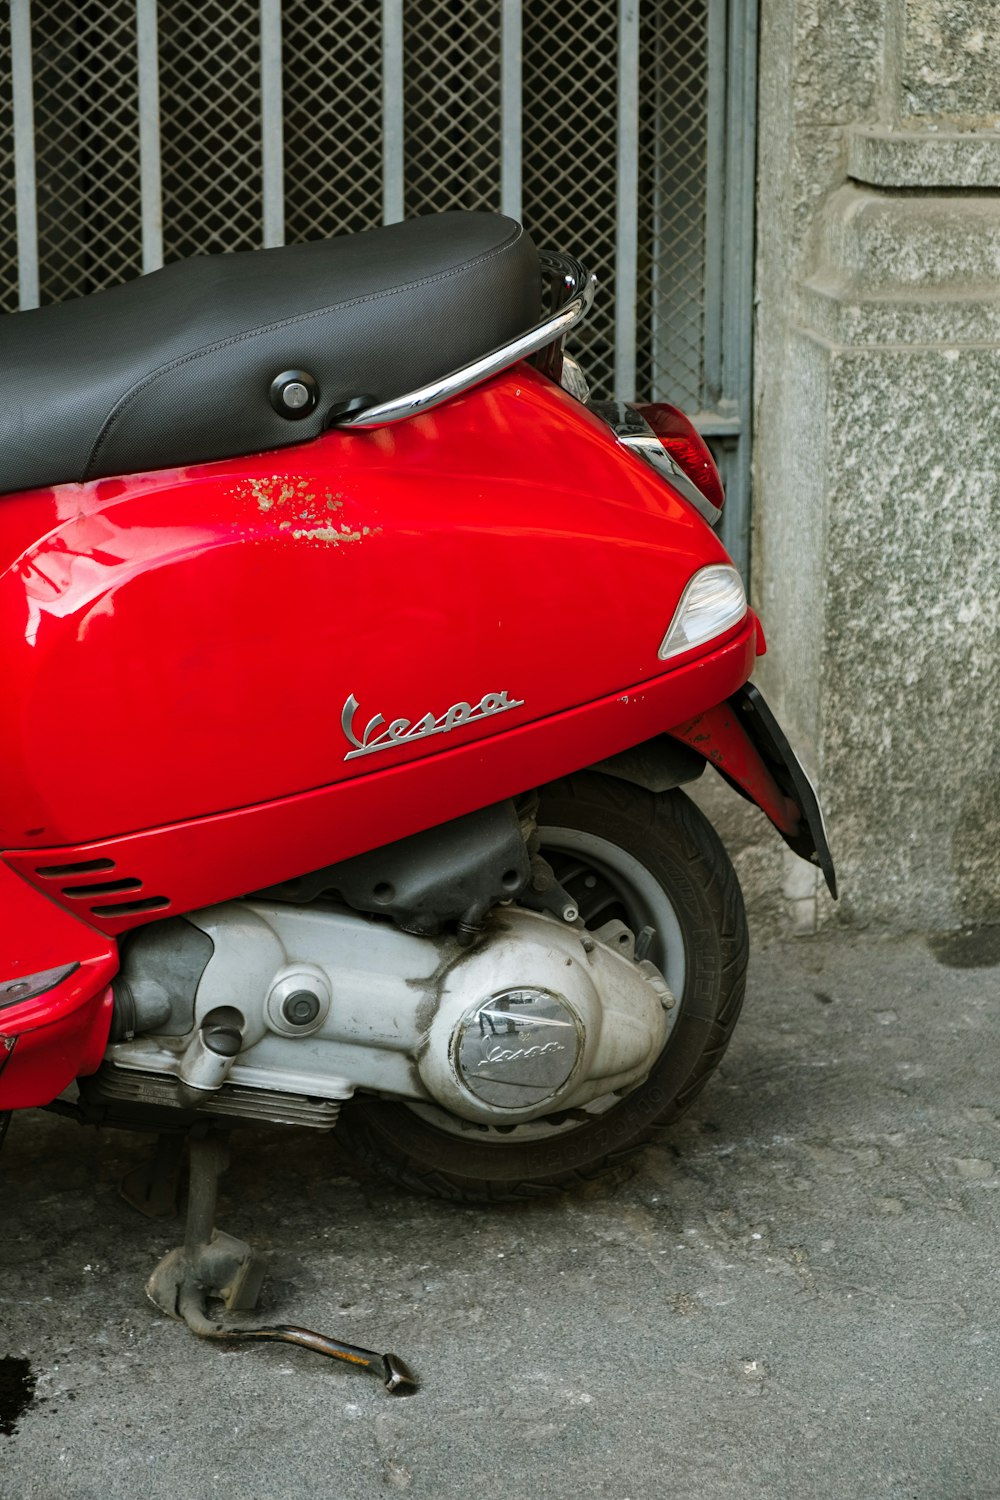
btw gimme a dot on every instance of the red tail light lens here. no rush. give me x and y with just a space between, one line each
686 447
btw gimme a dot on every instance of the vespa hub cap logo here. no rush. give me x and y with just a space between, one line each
518 1047
379 735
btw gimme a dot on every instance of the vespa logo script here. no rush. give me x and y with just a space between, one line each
507 1054
378 735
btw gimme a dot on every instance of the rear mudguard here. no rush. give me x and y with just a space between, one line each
743 740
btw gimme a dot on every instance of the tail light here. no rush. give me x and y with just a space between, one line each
684 443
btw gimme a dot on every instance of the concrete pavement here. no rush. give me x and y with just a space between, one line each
797 1296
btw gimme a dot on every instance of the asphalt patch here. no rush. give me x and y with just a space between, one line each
972 948
17 1392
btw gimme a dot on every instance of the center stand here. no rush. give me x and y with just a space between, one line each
212 1266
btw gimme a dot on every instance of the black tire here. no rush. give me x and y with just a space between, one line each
677 846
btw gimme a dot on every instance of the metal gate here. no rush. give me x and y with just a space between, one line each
133 131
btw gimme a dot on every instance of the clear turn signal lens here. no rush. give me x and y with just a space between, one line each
713 602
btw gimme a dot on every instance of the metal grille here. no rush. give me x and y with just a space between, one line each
8 210
332 119
86 145
673 189
570 140
451 122
210 125
622 130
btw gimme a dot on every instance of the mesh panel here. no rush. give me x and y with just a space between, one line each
86 145
673 130
333 118
210 126
570 83
8 212
451 73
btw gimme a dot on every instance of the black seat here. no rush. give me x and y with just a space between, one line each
177 367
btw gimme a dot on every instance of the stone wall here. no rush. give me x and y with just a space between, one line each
876 561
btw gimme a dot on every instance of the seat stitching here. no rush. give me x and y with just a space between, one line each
124 401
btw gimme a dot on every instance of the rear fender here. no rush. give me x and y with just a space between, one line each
742 739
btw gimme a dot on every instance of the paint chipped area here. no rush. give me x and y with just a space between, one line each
277 490
334 534
309 511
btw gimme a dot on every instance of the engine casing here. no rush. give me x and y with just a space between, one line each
537 1017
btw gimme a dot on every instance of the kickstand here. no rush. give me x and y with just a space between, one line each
211 1265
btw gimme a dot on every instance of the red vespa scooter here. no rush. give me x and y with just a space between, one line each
340 781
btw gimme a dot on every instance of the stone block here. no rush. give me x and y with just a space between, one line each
951 62
877 244
926 159
910 738
876 542
836 57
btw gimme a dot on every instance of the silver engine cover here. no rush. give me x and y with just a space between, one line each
536 1017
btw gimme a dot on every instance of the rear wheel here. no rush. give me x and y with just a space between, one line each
650 860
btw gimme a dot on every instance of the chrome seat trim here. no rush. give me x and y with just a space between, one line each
575 302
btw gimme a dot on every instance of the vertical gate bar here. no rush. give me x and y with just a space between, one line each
659 330
25 187
738 264
511 134
147 59
627 227
715 201
392 111
272 125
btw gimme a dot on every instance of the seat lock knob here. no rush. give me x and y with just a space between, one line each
294 394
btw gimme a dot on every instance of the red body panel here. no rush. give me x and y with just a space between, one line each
214 621
196 863
47 1042
180 650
